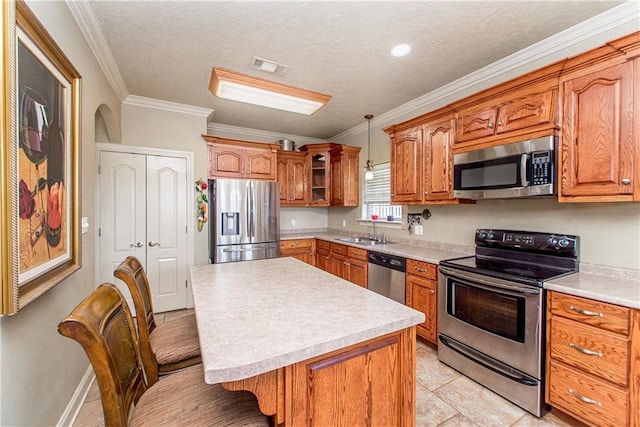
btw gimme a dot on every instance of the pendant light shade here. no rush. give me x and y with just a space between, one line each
368 170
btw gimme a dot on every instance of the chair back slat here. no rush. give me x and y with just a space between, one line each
131 272
102 324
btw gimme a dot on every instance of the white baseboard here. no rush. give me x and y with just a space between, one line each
73 408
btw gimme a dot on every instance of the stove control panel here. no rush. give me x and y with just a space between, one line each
530 241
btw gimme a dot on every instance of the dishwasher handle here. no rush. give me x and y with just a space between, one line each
389 261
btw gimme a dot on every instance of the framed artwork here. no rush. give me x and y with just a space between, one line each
39 230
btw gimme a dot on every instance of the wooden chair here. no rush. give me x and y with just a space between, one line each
168 347
102 323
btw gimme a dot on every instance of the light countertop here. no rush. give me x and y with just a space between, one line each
624 292
616 286
257 316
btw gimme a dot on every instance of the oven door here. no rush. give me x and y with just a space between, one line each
498 318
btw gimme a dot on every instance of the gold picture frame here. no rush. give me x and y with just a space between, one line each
40 183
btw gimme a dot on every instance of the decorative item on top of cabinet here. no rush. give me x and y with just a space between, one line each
600 146
422 160
345 176
421 294
293 176
234 158
593 360
302 249
320 173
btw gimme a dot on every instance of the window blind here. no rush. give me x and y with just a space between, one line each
378 189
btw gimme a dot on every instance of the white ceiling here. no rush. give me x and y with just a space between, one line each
165 50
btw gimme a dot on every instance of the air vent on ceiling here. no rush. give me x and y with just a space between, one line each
268 66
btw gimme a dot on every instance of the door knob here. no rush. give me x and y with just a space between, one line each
152 243
136 245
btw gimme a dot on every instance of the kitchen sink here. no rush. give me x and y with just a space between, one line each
360 241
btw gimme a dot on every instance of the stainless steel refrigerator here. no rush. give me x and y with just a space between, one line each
245 220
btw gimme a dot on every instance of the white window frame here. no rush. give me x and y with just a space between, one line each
381 195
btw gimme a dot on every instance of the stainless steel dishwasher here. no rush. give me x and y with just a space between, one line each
386 275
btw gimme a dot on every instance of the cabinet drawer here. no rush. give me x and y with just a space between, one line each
337 248
357 253
592 350
422 269
600 314
323 245
586 397
296 244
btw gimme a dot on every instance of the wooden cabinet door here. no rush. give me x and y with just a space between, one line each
351 175
340 265
597 150
358 272
302 249
323 260
293 174
226 161
421 294
406 166
526 111
260 164
438 160
337 178
474 124
319 177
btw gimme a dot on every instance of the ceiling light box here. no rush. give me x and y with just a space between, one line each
253 90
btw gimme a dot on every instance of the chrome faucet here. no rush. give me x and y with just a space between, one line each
373 236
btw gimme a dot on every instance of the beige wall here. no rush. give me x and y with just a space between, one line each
40 369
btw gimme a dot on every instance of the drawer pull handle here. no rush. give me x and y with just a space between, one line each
420 270
585 350
586 312
583 398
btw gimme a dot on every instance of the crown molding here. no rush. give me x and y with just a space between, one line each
550 49
258 135
90 28
141 101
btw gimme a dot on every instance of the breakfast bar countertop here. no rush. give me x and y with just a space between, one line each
257 316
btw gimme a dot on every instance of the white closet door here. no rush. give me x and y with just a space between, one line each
167 231
143 202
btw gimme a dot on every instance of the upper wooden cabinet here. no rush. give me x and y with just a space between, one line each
519 113
233 158
422 160
345 176
406 165
293 176
600 145
319 173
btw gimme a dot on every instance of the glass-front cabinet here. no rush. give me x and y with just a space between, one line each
320 173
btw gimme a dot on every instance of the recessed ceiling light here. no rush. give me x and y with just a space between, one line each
401 50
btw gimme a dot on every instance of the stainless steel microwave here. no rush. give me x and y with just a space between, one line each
519 169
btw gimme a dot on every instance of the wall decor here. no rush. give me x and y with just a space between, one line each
40 185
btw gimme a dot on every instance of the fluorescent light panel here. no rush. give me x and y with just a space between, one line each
253 90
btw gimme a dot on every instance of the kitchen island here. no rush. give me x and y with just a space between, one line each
315 349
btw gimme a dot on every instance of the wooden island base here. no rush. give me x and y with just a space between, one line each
371 383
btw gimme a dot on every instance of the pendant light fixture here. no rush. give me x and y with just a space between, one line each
368 171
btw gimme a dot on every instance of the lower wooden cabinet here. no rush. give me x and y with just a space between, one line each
593 360
302 249
422 295
343 261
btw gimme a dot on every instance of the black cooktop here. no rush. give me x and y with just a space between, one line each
524 257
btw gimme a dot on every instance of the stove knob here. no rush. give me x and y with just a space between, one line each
482 235
490 236
563 243
552 241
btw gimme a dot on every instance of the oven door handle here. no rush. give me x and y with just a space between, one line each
494 283
493 365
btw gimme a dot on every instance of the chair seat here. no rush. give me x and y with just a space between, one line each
184 399
175 344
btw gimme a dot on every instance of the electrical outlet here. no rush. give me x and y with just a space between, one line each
344 222
293 222
418 229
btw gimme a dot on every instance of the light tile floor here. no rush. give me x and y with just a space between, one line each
444 398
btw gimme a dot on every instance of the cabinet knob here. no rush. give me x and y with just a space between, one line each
431 291
626 181
490 125
499 122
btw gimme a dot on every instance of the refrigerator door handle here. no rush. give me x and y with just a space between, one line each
252 225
